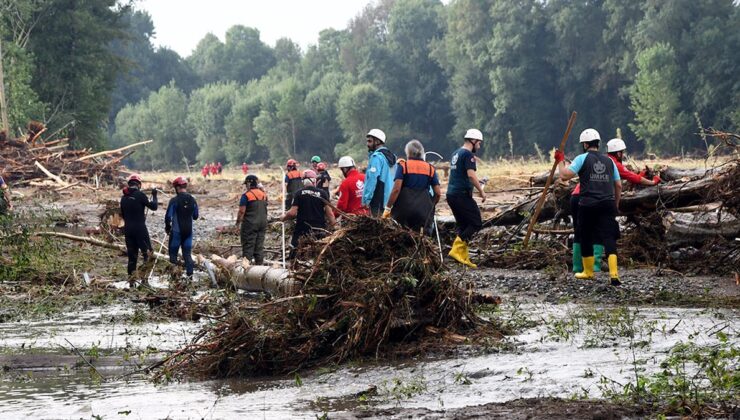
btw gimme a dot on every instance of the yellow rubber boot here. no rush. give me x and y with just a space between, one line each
613 270
588 269
466 255
456 251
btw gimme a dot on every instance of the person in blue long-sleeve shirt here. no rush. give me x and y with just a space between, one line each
178 223
379 175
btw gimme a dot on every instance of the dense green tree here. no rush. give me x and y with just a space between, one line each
74 68
161 117
207 112
659 120
361 108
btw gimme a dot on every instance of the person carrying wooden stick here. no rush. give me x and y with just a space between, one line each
601 190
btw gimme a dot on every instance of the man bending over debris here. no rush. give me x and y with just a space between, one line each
463 179
378 177
312 211
252 219
178 223
133 205
411 203
601 190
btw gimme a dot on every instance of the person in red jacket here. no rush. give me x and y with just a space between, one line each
615 149
351 189
205 171
214 168
219 168
245 168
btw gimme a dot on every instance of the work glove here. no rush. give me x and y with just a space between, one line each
154 192
387 213
657 180
642 173
559 156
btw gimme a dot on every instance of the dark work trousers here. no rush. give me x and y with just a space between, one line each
598 225
137 240
574 200
414 209
467 215
253 242
304 229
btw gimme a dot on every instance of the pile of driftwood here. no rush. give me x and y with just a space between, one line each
33 161
382 295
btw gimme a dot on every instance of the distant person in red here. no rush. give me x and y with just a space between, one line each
245 168
214 168
206 169
219 167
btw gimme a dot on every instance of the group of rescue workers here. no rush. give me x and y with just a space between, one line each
406 190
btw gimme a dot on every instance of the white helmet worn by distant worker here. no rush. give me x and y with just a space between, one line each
378 134
589 135
615 145
474 134
346 162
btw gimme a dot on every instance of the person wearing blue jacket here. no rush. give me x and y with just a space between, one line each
178 223
379 174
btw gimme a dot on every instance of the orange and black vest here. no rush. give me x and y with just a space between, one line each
256 213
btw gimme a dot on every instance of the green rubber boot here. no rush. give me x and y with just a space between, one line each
577 260
598 253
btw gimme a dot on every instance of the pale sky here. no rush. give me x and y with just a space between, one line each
180 24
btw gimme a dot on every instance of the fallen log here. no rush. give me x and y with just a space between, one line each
698 229
50 175
111 152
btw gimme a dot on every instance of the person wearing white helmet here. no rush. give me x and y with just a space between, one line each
312 212
463 179
600 192
615 149
352 187
379 176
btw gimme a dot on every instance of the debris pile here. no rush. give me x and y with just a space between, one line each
31 160
370 289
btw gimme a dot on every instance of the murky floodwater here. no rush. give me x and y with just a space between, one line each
546 362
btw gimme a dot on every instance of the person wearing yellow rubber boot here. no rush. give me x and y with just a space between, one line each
575 199
601 191
463 179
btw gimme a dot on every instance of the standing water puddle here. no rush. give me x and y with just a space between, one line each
567 354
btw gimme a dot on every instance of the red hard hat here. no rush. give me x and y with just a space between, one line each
292 162
180 181
134 178
321 166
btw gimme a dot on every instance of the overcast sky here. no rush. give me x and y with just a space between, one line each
180 24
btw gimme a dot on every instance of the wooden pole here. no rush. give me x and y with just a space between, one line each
541 201
3 103
110 152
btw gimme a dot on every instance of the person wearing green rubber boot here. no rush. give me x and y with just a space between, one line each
575 198
601 190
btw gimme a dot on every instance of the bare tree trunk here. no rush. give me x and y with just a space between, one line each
3 103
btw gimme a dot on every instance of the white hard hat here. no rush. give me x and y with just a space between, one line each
474 134
346 162
615 145
378 134
588 135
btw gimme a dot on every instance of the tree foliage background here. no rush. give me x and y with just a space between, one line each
654 70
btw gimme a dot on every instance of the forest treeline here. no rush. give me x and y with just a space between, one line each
653 71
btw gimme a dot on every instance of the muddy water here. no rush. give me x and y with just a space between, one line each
542 363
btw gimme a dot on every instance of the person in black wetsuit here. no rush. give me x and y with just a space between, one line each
178 223
133 203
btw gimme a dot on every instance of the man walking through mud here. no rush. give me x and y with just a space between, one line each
601 190
133 205
463 179
178 223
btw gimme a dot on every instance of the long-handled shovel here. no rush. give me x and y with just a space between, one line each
439 242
